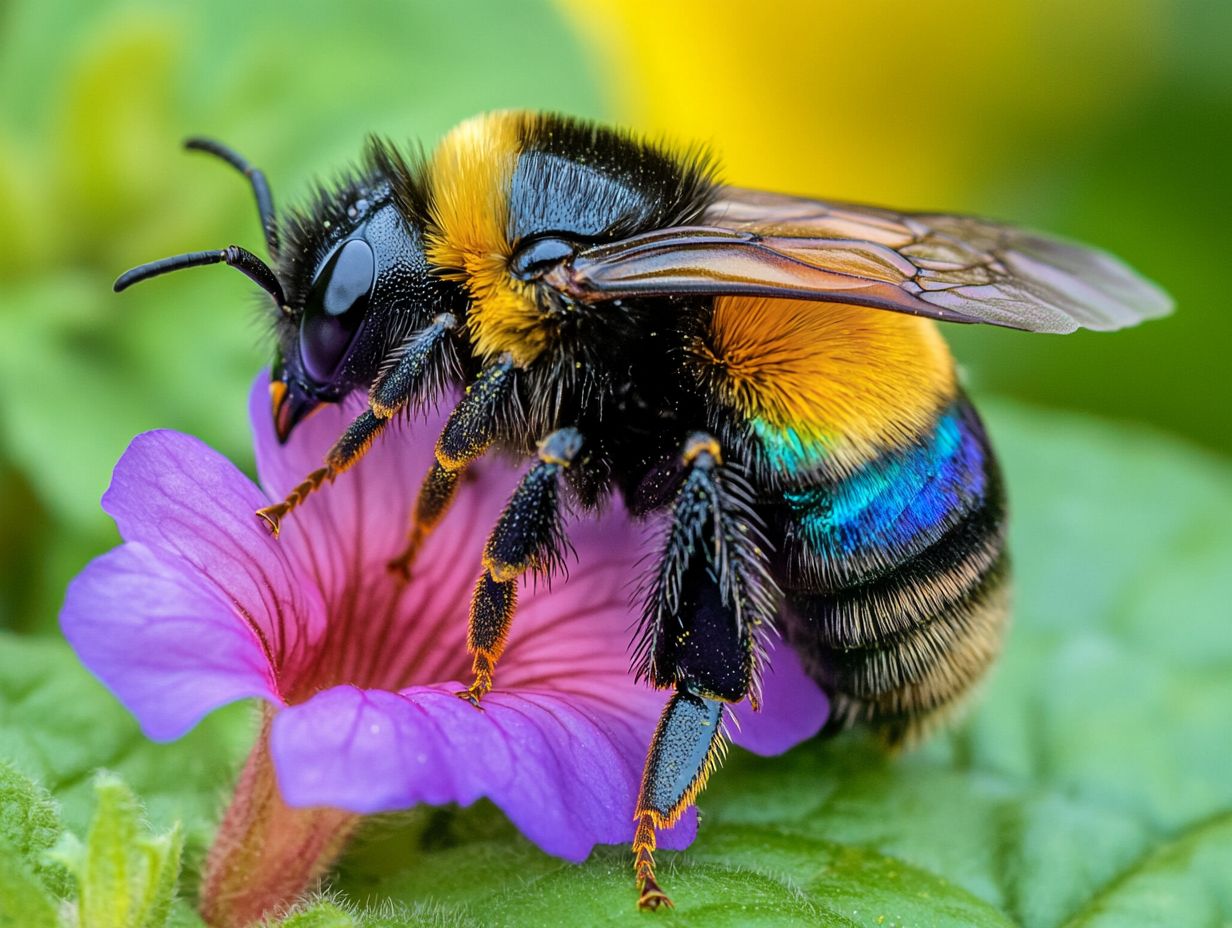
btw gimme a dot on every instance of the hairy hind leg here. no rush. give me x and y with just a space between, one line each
712 592
688 744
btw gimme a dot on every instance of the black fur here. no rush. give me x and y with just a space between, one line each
594 183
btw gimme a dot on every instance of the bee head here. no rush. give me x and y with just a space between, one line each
357 284
351 281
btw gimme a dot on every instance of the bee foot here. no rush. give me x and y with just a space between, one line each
471 694
400 568
476 691
653 897
272 516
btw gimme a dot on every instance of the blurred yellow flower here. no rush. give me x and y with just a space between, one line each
893 101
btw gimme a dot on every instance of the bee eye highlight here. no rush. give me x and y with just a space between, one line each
538 255
335 307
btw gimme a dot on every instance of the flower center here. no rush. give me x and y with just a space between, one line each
382 632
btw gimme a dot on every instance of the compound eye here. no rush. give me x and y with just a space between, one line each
538 255
335 307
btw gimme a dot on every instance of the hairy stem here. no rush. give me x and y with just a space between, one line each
267 854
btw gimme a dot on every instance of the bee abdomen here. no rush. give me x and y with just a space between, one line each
897 648
905 685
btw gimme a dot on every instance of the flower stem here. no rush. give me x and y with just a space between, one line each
266 853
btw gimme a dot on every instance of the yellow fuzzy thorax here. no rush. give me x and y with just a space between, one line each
840 383
469 175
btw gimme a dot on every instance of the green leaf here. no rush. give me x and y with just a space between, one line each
322 915
24 900
29 828
126 877
58 725
331 912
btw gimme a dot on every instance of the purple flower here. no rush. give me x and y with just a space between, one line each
201 607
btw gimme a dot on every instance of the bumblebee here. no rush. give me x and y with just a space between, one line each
763 372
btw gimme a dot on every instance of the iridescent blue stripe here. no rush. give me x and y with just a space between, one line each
787 451
900 501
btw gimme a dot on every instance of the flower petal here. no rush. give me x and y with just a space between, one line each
793 706
179 497
359 521
565 770
381 633
171 649
560 742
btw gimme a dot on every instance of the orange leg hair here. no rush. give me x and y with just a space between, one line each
352 446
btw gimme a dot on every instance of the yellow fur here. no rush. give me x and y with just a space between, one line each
846 381
470 175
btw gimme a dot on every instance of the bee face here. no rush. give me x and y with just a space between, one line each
357 280
318 336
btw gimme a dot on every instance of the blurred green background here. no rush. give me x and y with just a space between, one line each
1108 121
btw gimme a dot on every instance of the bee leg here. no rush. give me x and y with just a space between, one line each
420 367
527 536
688 744
468 433
419 371
712 592
346 451
435 495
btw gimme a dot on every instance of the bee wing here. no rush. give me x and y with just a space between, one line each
952 268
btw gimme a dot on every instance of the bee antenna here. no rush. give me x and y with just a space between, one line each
240 258
260 186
